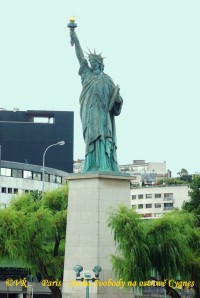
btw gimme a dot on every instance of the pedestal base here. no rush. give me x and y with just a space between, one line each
89 241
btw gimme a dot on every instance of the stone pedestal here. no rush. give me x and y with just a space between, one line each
89 241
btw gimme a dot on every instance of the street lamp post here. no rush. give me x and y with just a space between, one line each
43 163
87 276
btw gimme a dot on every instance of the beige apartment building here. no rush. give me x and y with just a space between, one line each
17 178
145 173
149 199
154 201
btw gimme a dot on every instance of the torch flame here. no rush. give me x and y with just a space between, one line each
72 19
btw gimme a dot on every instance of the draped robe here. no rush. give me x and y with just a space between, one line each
98 123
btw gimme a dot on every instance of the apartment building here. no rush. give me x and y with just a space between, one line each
145 173
17 178
154 201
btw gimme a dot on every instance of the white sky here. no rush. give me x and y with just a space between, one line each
152 51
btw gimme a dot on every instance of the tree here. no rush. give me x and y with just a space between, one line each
183 172
184 176
162 246
129 233
34 231
193 206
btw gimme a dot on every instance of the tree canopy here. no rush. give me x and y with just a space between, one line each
183 172
33 230
193 205
184 175
162 248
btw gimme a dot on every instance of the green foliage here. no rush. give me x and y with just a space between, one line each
186 178
171 181
129 234
183 172
10 224
54 199
166 246
168 239
33 231
193 205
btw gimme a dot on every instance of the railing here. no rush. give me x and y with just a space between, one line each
160 292
37 288
167 208
168 199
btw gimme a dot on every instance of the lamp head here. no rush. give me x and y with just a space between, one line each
61 143
96 270
87 275
78 269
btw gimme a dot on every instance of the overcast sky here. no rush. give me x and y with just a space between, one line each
152 51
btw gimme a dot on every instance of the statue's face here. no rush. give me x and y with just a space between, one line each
94 64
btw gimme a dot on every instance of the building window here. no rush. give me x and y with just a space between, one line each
37 176
59 179
158 214
26 191
140 196
157 195
17 173
53 179
157 205
6 172
3 190
148 196
147 215
148 205
15 190
27 175
168 195
46 177
133 206
133 197
48 119
140 206
168 206
56 179
10 190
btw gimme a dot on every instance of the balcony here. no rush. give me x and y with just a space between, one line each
168 199
168 208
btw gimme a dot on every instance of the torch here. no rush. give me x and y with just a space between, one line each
72 25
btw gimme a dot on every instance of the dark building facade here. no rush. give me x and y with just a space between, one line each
24 136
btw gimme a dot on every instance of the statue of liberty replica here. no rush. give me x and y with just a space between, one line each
100 102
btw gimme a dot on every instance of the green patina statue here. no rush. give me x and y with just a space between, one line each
100 102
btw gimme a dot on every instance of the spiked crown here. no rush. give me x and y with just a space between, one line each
95 56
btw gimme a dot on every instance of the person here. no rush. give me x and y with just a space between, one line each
100 102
